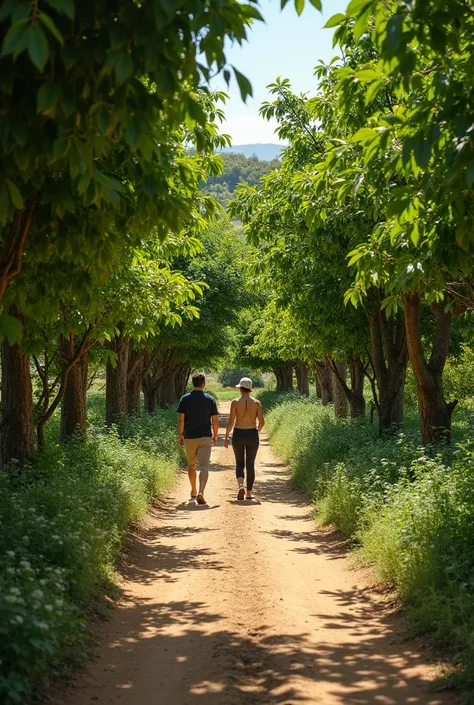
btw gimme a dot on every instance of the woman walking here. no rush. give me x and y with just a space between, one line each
246 418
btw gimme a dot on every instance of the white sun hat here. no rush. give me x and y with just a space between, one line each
245 383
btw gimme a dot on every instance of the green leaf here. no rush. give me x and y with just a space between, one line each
165 80
415 234
335 20
123 67
354 256
367 75
14 41
299 6
11 328
394 31
60 147
356 7
317 4
49 24
15 195
364 134
422 151
133 130
103 119
373 90
37 46
48 96
245 86
66 7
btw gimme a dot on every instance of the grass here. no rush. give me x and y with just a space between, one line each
408 513
63 521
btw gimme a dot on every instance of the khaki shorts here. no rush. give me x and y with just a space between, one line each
198 451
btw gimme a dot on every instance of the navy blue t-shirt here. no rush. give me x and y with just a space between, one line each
197 407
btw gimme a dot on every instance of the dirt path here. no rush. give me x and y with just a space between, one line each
242 603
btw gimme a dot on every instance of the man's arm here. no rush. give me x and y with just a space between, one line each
261 420
181 429
215 428
230 425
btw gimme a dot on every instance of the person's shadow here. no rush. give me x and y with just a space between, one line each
189 507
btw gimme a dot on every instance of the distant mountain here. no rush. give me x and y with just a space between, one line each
266 152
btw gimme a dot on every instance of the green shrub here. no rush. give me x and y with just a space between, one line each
458 379
231 376
62 525
410 513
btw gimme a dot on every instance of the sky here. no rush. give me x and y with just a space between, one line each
286 45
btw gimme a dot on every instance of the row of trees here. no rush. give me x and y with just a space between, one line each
363 237
107 132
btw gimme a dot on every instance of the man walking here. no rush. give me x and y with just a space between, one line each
198 426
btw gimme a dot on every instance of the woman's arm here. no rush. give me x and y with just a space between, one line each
230 425
261 420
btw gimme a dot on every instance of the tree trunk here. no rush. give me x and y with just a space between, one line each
389 360
340 398
167 390
302 377
355 393
150 395
287 377
319 389
284 376
17 429
84 363
435 412
116 384
73 404
356 398
324 375
278 378
134 382
181 380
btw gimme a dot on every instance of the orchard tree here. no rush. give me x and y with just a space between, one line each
84 81
302 260
413 159
201 341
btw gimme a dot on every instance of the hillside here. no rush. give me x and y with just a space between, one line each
265 152
237 169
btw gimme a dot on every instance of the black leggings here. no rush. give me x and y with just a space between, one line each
245 443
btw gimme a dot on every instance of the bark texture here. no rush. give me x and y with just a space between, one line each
435 412
302 377
355 392
134 382
116 384
284 376
319 391
73 404
17 429
340 398
324 375
389 358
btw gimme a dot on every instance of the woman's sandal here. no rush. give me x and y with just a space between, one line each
241 493
200 498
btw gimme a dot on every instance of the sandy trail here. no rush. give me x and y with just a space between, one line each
244 603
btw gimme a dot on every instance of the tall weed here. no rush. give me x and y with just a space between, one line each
409 513
62 522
